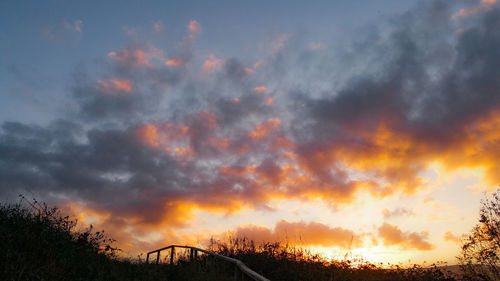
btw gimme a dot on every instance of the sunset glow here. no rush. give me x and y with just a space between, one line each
349 131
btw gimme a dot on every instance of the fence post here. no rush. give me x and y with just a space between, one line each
191 253
172 255
211 262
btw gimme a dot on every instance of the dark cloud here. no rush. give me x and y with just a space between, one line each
429 80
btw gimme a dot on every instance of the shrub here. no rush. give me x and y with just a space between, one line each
479 258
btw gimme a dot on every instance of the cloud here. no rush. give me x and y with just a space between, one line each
158 26
194 29
174 62
397 212
260 89
393 124
114 85
194 26
76 26
449 236
392 235
137 57
211 64
299 234
480 6
129 31
265 128
279 43
317 46
368 118
64 31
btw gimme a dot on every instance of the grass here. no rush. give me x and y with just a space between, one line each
40 243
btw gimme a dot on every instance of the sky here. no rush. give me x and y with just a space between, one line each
369 126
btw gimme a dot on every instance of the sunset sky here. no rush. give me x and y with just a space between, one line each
373 125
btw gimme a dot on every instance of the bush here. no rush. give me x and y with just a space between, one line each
39 243
479 258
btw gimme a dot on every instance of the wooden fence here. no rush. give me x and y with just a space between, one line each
194 254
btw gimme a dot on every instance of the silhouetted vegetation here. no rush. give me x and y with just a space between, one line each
284 262
481 248
39 243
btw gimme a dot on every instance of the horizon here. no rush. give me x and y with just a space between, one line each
370 126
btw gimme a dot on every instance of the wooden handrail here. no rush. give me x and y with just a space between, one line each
245 269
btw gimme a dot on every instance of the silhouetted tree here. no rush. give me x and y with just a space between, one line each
479 258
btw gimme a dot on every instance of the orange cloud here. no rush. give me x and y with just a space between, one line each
141 58
137 57
175 62
163 135
392 235
249 70
194 29
311 172
211 63
269 100
395 157
449 236
194 26
114 85
149 135
184 151
260 89
264 128
129 229
476 147
299 234
483 5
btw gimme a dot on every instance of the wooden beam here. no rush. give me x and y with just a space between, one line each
172 252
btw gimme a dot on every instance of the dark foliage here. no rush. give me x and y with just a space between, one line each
276 261
39 243
480 256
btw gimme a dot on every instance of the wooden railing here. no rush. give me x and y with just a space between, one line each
194 254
